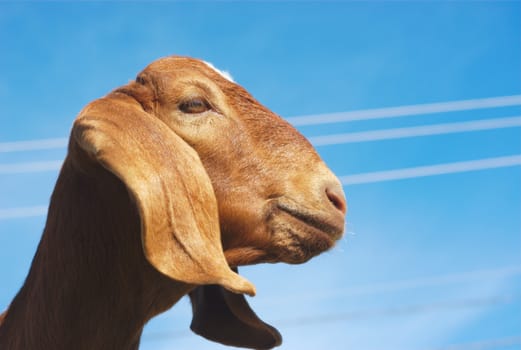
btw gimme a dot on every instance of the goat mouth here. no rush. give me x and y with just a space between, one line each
317 223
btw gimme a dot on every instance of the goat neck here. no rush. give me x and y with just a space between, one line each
92 277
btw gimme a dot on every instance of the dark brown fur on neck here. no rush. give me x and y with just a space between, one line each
102 279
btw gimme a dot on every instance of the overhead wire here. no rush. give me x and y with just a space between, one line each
23 212
317 119
407 110
346 180
485 344
30 167
388 287
357 315
317 141
33 145
416 131
365 136
431 170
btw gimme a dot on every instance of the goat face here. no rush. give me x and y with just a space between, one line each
276 198
218 181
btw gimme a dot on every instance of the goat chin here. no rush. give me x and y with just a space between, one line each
169 184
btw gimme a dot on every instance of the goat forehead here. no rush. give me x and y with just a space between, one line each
178 64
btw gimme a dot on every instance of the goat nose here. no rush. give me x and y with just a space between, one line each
335 194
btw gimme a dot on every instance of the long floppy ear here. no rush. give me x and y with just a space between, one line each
172 191
225 317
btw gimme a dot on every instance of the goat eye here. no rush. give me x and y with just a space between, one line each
194 106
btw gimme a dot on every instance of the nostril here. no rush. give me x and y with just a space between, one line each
336 197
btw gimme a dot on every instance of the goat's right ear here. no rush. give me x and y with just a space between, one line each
227 318
173 193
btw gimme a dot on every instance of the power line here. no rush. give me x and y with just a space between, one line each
408 110
487 344
402 310
431 170
415 131
33 145
363 178
30 167
365 136
23 212
396 286
394 311
316 119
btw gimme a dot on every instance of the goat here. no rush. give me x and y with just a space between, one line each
171 182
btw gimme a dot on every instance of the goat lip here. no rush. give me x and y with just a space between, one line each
333 227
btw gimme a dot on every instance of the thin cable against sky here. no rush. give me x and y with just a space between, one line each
431 170
486 344
365 136
409 110
33 145
357 315
356 179
397 286
378 113
23 212
30 167
416 131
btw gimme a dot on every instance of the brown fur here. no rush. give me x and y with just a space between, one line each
153 203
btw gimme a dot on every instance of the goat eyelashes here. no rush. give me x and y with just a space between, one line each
152 204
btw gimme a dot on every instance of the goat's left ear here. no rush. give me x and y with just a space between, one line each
225 317
172 191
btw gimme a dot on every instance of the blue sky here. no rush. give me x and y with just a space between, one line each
428 262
